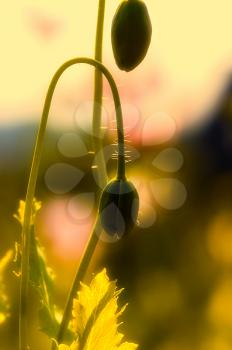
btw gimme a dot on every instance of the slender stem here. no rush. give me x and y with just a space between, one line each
33 179
78 278
97 229
98 87
101 169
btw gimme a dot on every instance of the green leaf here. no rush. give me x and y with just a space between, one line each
41 276
42 279
4 302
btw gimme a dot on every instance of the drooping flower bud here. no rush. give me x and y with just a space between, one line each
131 33
118 208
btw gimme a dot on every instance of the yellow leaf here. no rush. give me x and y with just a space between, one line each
128 346
4 304
5 260
95 317
66 347
21 209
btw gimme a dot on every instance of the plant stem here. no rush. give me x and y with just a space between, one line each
101 170
102 177
78 278
98 87
97 229
23 345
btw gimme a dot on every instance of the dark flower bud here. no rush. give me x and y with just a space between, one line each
131 33
118 208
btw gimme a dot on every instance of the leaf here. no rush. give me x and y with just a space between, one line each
74 346
95 317
19 215
17 259
4 303
41 276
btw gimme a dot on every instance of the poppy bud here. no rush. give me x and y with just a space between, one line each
130 33
118 208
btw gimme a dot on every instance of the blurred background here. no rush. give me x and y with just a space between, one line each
176 266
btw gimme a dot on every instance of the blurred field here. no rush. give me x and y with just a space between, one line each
176 266
176 273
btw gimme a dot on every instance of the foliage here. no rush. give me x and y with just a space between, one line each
95 309
41 275
4 303
95 317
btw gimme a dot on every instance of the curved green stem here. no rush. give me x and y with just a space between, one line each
101 172
94 237
98 87
34 174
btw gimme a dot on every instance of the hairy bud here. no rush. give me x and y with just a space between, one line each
119 206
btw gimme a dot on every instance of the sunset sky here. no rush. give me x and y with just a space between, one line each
190 54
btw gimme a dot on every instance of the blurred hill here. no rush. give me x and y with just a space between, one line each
173 272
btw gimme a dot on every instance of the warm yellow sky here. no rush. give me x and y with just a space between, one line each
191 49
